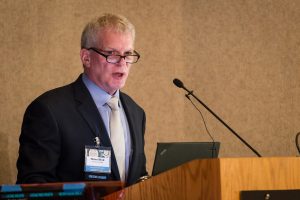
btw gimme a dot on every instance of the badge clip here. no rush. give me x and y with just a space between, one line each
97 141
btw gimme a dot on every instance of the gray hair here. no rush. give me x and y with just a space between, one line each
118 23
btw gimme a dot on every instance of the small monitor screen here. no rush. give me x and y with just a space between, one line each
173 154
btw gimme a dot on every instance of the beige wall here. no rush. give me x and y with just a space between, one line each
241 57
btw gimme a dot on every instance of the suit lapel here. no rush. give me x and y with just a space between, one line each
130 118
88 110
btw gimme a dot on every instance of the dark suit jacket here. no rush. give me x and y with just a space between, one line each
57 126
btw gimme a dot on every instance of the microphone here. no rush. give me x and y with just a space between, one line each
297 142
180 84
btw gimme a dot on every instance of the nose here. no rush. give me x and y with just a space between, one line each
122 62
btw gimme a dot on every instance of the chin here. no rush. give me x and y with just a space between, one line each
120 84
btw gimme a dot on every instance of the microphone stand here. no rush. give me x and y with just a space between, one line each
190 92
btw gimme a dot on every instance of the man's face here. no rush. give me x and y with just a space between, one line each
110 77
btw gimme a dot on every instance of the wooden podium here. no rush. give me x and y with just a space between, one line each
217 179
205 179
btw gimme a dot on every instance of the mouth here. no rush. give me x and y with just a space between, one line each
118 75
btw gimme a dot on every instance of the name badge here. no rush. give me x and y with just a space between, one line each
97 159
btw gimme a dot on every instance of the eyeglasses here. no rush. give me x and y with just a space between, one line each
114 59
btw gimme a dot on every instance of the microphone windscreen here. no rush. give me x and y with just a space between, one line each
178 83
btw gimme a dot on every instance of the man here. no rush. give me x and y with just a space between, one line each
61 126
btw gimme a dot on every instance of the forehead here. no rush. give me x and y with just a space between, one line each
115 39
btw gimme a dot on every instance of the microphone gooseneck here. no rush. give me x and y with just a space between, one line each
179 84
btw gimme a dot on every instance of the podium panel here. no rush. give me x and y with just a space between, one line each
278 173
217 179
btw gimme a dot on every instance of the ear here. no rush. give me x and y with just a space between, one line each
85 57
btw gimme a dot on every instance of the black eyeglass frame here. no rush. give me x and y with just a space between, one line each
120 56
